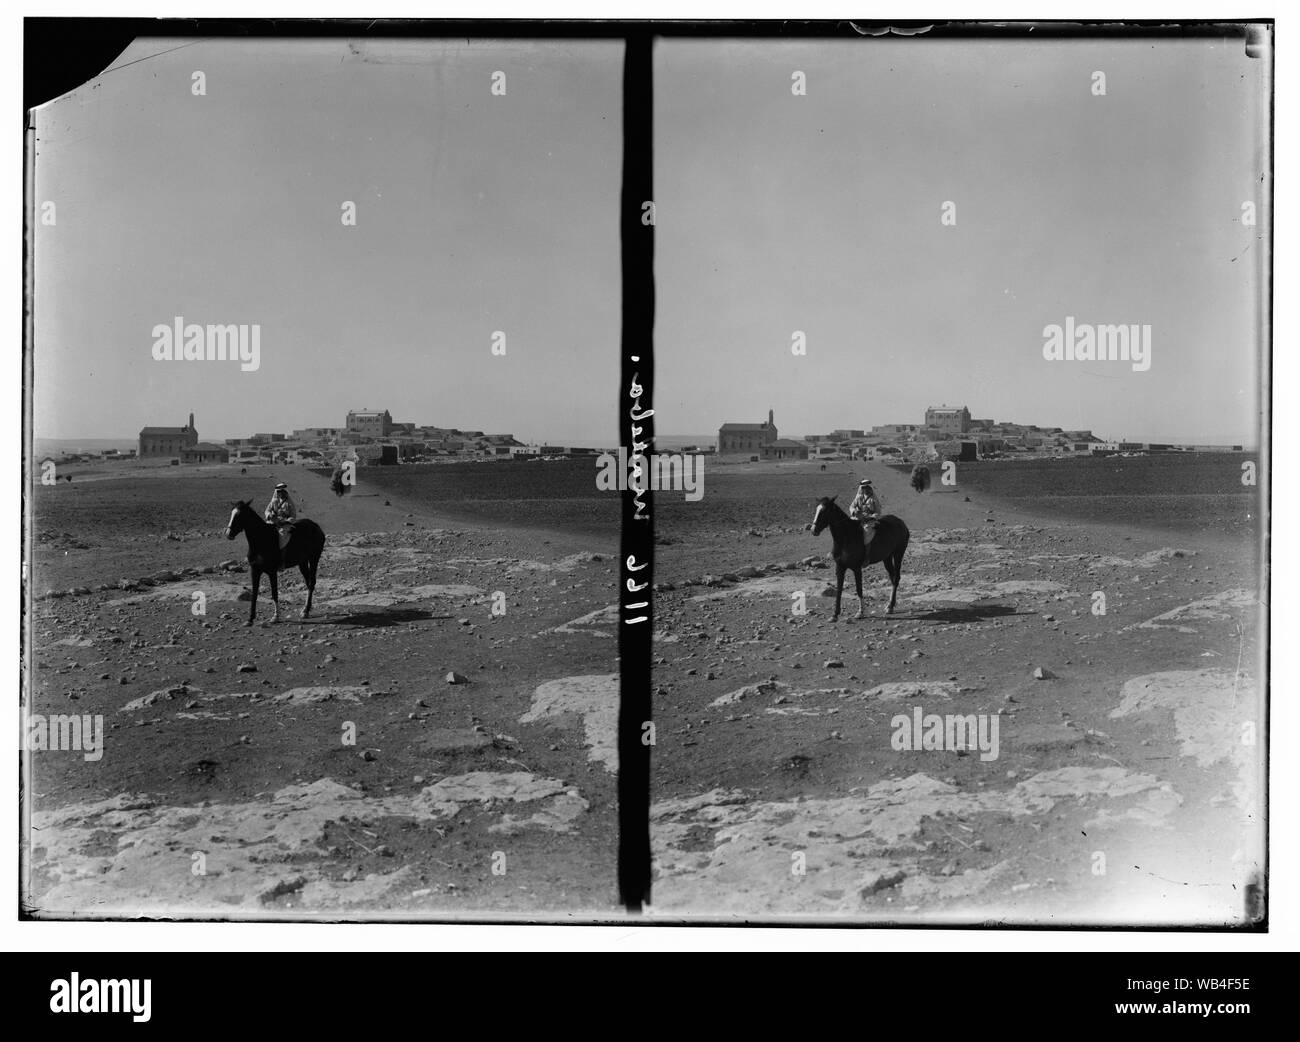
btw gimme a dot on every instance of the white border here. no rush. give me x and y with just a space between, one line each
1285 931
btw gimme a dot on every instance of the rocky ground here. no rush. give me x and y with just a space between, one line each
436 740
408 752
1128 781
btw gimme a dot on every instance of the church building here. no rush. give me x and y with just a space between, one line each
746 438
167 441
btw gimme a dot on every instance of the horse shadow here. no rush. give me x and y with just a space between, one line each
953 614
378 618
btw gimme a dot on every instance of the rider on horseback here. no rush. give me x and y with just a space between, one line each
866 508
281 512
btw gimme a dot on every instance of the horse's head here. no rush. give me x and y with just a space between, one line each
825 507
236 523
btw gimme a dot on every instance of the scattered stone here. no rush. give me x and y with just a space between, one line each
449 740
884 881
1046 736
310 695
765 687
918 690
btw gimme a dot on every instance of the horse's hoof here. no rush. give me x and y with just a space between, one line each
249 622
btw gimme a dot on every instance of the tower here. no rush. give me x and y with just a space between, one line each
191 421
770 418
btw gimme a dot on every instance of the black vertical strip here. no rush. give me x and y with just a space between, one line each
636 431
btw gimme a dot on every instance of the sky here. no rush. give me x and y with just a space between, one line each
821 213
475 213
774 213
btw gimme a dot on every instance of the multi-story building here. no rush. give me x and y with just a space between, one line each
369 424
737 438
947 419
167 441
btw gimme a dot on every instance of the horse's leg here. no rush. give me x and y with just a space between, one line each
862 604
895 573
305 568
839 590
252 607
275 594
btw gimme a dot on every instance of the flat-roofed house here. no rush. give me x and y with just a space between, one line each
205 452
784 448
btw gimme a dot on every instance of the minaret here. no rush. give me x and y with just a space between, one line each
191 421
770 421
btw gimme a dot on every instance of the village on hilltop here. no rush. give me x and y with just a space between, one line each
372 438
367 438
947 433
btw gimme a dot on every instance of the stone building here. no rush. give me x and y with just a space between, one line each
784 448
948 420
205 452
157 442
370 424
746 438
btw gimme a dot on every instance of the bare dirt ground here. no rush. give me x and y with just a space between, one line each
1128 784
327 768
323 767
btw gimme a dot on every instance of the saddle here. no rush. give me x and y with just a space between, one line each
285 532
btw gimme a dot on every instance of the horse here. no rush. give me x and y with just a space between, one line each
305 546
851 552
